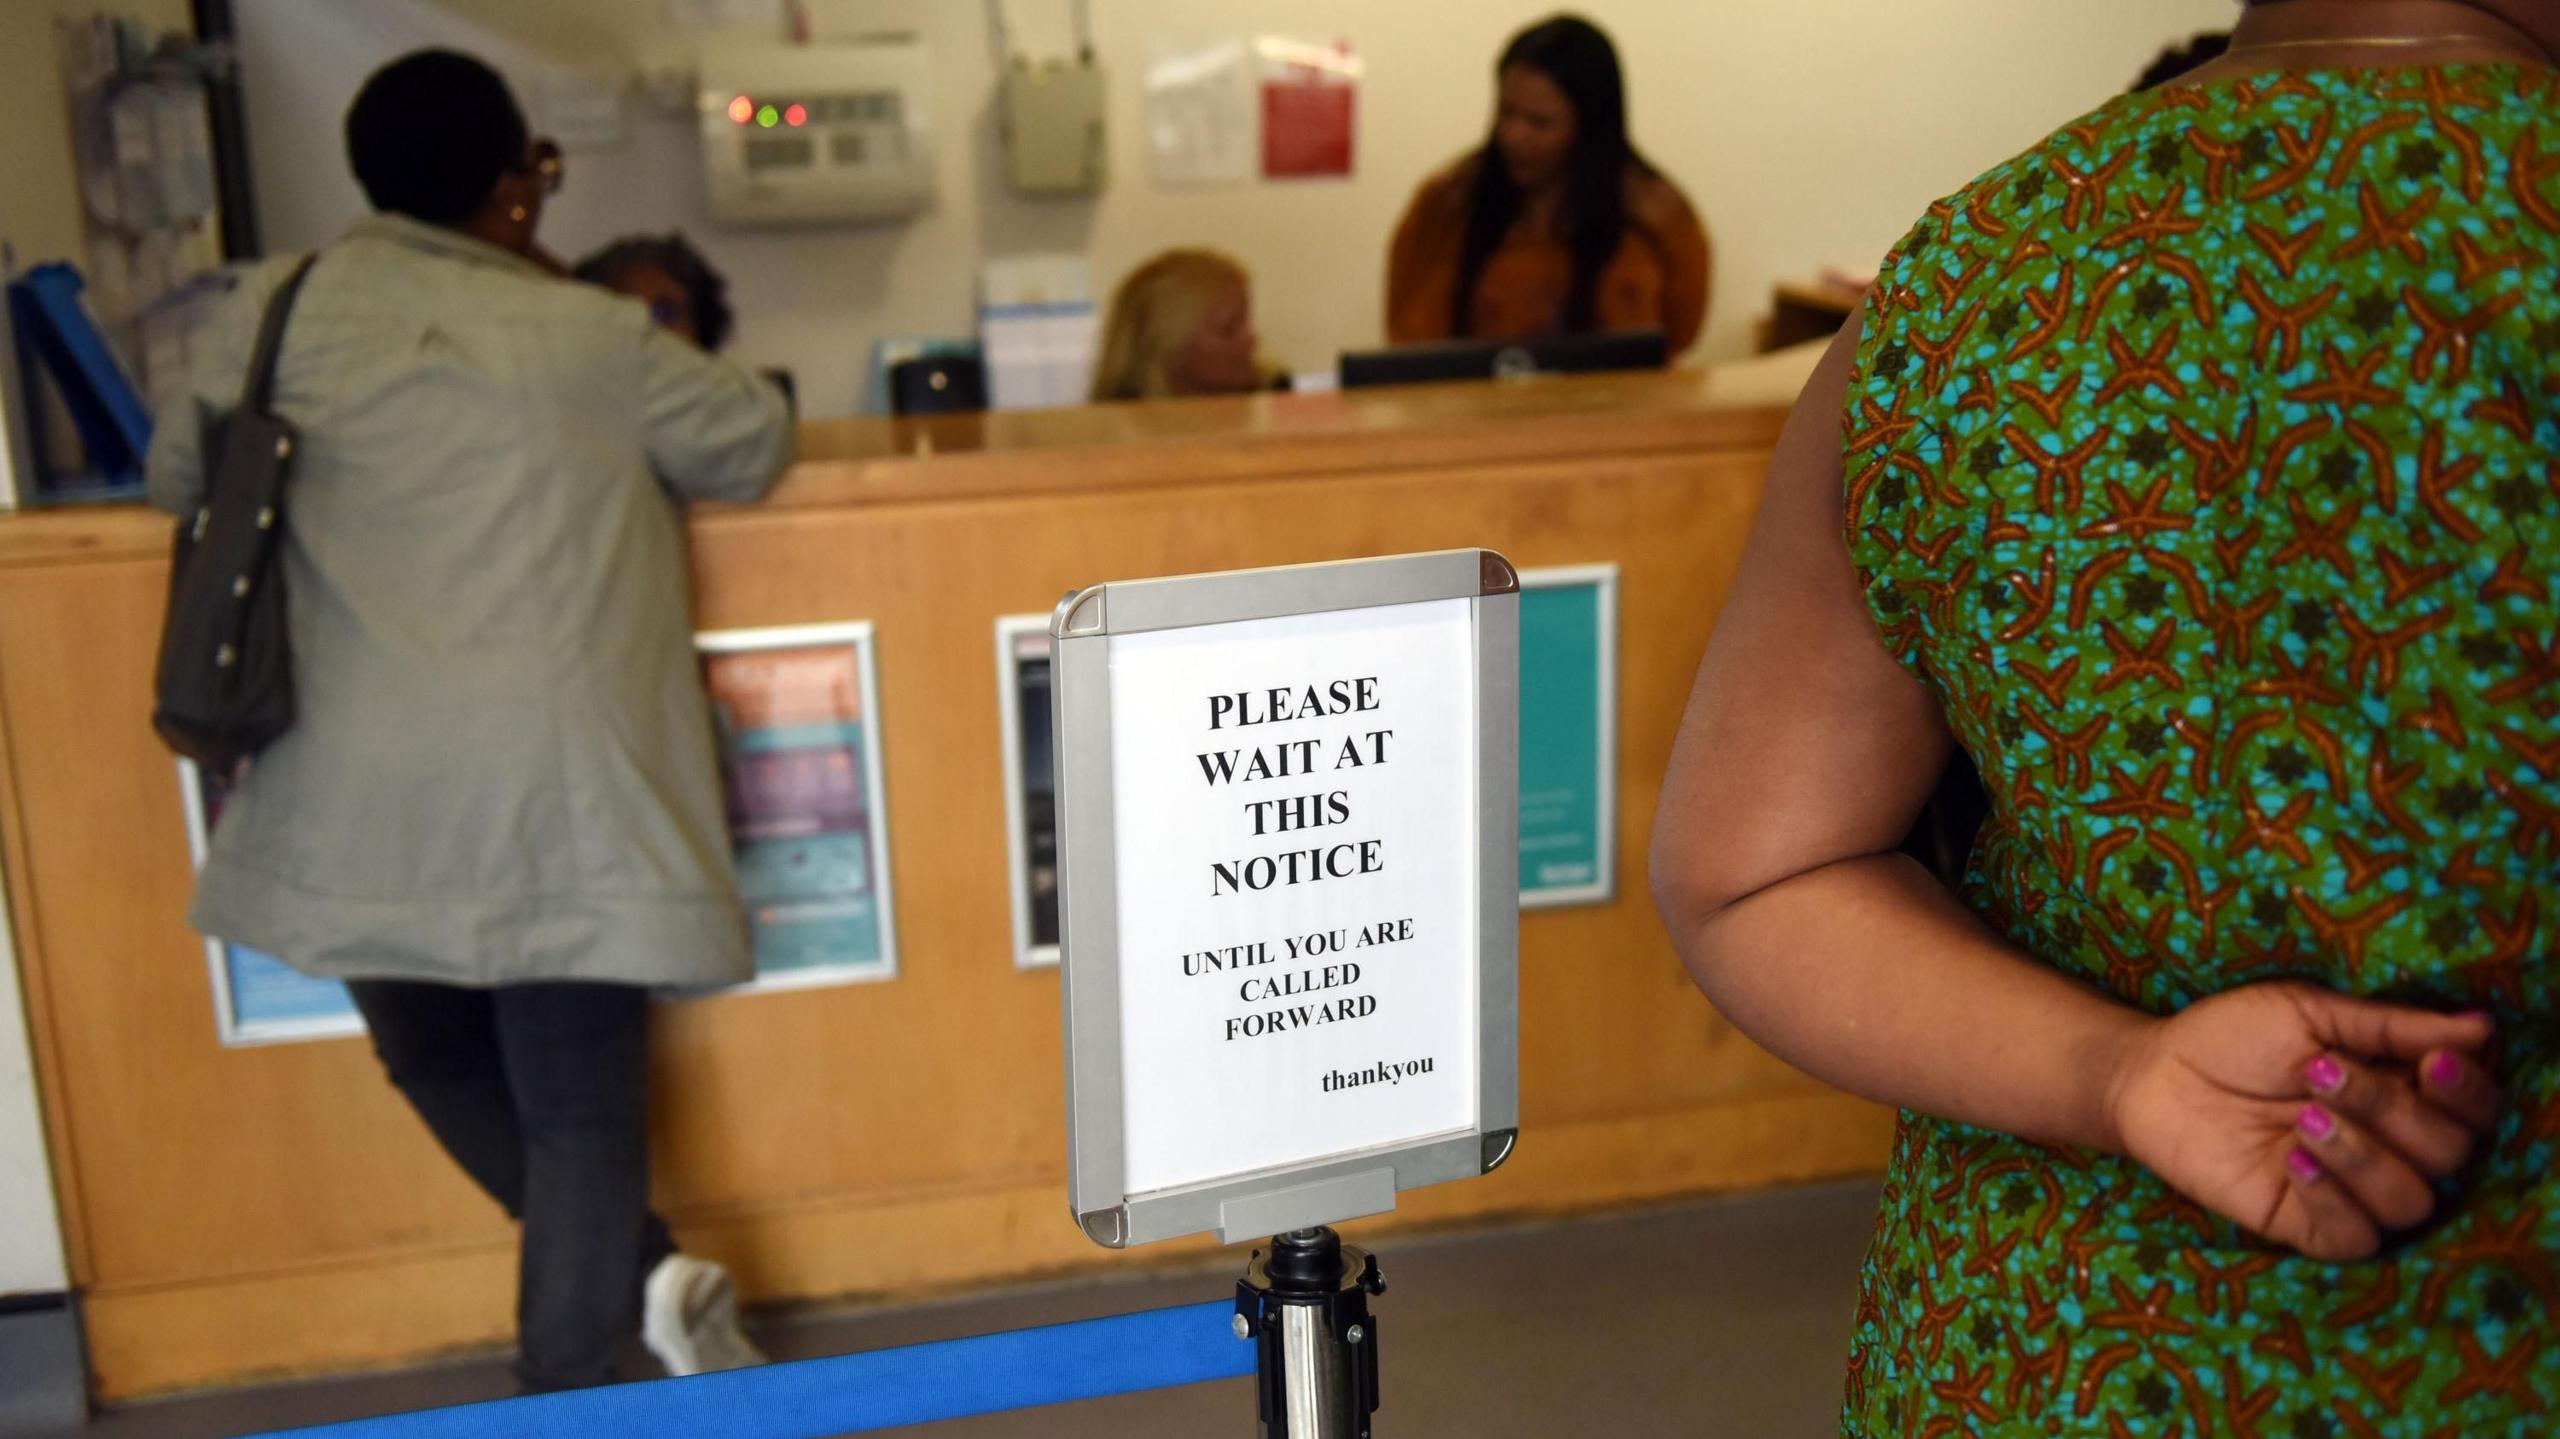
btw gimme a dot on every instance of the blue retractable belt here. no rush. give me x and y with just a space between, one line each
857 1393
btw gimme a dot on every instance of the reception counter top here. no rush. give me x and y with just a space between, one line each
879 461
243 1210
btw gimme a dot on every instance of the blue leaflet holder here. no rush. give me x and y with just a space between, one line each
114 424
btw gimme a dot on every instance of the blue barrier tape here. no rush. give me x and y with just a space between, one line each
857 1393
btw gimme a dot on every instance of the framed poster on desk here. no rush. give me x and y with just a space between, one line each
796 713
1568 735
1030 787
257 998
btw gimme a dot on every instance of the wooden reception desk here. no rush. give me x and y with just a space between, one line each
242 1212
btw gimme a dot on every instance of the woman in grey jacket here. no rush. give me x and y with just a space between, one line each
498 814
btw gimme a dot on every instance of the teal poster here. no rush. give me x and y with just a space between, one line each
258 998
1568 723
796 713
1030 786
272 1000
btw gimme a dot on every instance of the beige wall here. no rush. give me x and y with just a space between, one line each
39 204
31 1260
39 220
1808 132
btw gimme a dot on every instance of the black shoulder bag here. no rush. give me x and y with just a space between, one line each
225 684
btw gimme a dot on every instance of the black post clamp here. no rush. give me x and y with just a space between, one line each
1305 1303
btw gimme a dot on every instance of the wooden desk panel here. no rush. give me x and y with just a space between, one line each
278 1210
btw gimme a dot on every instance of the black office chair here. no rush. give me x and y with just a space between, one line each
937 385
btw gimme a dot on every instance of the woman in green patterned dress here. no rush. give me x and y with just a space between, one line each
2197 472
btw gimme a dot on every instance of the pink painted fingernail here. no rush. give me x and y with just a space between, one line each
2446 1070
2326 1074
2302 1166
2481 1015
2315 1122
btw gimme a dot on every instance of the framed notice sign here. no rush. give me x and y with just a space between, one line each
1030 787
797 717
1288 844
1568 735
257 998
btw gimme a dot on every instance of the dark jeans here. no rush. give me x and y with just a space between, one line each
540 1093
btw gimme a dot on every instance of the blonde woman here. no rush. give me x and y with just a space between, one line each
1181 324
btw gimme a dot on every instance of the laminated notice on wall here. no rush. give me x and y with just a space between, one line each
257 998
796 712
1201 124
1310 107
725 14
1568 723
580 109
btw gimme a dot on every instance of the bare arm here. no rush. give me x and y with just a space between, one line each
2316 1119
1805 753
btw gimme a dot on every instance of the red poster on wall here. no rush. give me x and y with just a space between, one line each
1310 108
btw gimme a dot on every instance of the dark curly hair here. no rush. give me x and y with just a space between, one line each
703 286
430 133
2176 61
1578 57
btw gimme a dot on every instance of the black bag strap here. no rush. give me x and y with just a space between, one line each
259 389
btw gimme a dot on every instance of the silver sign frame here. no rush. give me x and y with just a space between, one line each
1337 1187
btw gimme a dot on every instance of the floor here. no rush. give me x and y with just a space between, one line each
1718 1317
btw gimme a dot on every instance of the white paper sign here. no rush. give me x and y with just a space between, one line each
1202 128
723 14
581 110
1295 802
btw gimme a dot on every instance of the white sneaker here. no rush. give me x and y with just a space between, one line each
689 1318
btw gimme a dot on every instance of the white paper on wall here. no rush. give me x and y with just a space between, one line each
1202 126
582 110
720 14
1037 330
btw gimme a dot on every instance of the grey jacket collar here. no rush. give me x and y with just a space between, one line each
437 240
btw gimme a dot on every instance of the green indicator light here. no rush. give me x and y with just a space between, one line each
768 117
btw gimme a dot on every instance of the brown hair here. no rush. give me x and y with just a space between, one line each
1153 315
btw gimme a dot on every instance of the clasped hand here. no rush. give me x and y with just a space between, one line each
2316 1120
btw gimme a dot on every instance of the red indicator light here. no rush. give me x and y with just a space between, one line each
796 116
742 111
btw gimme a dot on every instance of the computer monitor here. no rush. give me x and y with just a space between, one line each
1503 359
